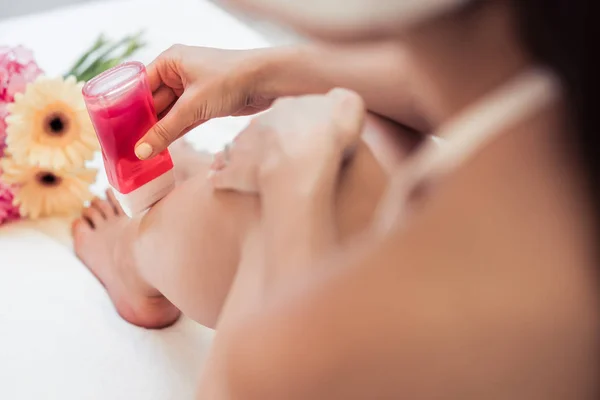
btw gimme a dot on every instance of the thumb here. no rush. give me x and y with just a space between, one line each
168 129
348 114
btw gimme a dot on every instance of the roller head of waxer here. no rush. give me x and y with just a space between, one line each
139 200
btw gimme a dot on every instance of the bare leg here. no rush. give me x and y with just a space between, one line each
188 247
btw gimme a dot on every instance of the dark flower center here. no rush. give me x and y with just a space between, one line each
48 179
56 124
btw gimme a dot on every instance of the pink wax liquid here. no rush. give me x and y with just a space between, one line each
120 105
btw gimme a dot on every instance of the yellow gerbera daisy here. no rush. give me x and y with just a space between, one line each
44 192
49 125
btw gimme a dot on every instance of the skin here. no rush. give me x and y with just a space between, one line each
479 295
194 84
441 324
115 247
448 322
187 84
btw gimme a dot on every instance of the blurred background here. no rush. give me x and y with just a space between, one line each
11 8
14 8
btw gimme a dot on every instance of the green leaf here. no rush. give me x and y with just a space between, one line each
100 42
100 67
104 55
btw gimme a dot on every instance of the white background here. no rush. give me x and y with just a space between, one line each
11 8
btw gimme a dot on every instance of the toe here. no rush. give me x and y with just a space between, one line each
84 241
104 207
114 203
80 228
94 216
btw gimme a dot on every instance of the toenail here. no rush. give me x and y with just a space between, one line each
76 225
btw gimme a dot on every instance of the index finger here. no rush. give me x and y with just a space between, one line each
156 69
154 79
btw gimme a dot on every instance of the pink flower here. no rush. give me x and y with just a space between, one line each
8 212
3 114
17 68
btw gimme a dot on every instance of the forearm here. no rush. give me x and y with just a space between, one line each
309 230
303 226
379 73
298 232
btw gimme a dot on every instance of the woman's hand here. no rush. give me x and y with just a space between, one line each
191 85
297 147
291 156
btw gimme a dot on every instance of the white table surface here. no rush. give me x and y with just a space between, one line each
59 335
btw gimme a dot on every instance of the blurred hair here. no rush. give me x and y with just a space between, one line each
556 33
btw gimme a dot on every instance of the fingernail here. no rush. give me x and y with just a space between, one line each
210 174
343 96
339 93
347 112
143 151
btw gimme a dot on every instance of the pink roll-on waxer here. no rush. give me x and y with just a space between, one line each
120 105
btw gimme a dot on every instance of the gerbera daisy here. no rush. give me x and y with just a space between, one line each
49 125
42 192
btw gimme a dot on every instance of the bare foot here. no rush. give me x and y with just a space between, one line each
99 238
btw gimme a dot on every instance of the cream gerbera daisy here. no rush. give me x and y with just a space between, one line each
49 125
45 192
